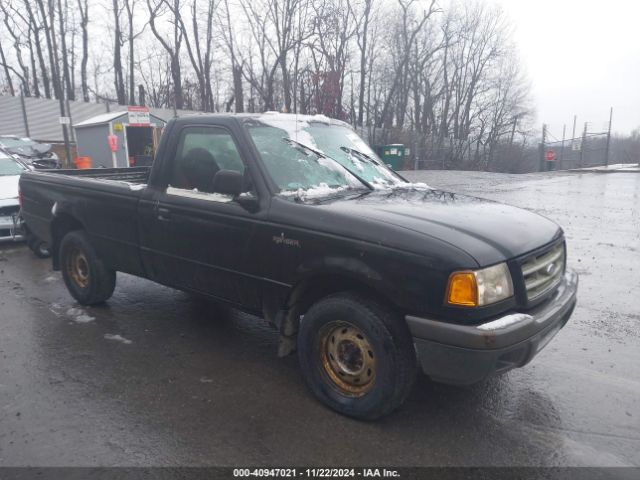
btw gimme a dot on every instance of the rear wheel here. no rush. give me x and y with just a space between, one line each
39 248
87 278
357 355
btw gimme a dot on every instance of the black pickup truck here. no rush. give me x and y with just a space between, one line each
295 219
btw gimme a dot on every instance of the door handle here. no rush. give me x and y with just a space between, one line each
164 214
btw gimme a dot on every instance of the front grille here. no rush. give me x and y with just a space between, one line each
544 271
9 211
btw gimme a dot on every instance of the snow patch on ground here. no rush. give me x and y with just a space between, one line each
78 315
117 338
56 309
50 278
504 322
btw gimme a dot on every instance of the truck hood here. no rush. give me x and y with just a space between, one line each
9 186
488 231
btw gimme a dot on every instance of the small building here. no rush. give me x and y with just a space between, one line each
119 139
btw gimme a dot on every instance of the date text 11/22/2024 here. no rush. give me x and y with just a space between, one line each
316 473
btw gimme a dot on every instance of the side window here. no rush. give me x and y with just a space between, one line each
205 160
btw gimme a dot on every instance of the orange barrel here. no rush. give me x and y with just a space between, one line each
83 162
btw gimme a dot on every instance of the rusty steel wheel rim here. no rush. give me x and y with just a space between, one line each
347 358
78 267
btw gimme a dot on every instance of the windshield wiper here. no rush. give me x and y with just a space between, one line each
324 155
370 159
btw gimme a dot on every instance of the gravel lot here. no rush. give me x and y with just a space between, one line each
159 378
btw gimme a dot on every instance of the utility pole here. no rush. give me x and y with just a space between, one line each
606 153
583 145
513 129
73 136
564 131
25 119
65 132
542 146
573 139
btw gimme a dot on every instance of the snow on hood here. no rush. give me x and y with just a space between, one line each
9 187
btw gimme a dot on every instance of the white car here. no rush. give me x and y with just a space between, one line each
37 155
11 226
10 170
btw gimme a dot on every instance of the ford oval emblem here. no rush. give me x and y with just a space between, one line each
550 269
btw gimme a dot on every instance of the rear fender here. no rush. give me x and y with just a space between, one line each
64 221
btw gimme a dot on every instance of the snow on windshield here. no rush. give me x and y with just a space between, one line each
296 127
294 168
331 138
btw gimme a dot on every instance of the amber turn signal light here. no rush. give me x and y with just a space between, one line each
462 289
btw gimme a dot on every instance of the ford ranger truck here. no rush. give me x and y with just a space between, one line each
293 218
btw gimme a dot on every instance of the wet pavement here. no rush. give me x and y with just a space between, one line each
157 377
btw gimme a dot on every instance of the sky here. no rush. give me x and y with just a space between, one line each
582 57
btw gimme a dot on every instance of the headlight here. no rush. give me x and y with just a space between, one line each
479 287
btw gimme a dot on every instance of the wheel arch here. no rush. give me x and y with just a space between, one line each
62 224
309 289
312 288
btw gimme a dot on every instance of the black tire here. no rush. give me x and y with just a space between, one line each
88 280
360 323
39 248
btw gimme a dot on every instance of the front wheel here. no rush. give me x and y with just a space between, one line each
357 356
87 278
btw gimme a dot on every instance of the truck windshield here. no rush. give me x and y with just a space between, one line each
293 169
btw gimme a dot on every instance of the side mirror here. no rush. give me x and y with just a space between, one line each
232 183
228 182
249 202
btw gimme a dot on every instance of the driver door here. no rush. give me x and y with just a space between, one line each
193 237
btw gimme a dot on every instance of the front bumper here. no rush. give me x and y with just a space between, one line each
463 355
10 228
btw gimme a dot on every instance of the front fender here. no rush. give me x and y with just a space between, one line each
339 272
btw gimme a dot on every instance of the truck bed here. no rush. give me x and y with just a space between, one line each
104 201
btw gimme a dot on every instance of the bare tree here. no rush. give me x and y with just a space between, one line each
201 58
362 19
444 81
118 75
83 9
6 67
62 33
410 29
13 29
157 9
236 65
132 35
334 29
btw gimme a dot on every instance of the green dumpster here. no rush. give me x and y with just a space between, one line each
392 155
